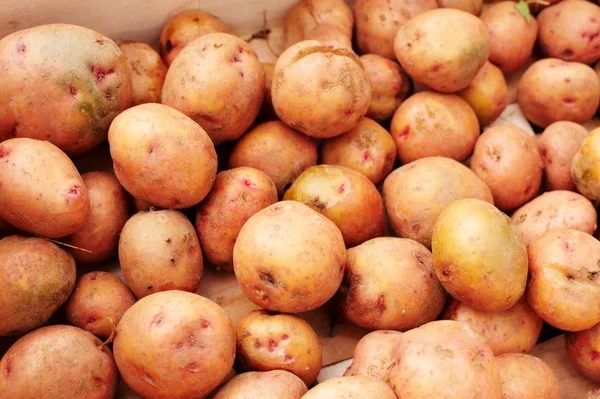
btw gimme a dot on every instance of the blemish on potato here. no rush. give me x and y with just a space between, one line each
21 48
594 355
149 286
98 381
157 319
192 367
272 345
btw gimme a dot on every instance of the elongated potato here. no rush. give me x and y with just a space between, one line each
373 355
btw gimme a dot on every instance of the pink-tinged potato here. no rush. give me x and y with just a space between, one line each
277 150
390 284
583 348
507 159
430 124
358 386
373 355
276 384
515 330
585 167
161 156
236 195
58 362
415 194
553 90
486 94
563 279
471 6
160 251
512 37
217 81
147 69
184 28
174 345
320 90
98 302
445 359
555 210
593 395
42 191
526 377
289 258
368 149
330 34
61 83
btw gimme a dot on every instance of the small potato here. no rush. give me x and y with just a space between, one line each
147 69
236 195
277 150
507 159
390 86
277 384
330 34
563 279
583 348
373 355
555 210
486 94
358 386
470 6
430 124
553 90
585 167
160 251
526 377
267 341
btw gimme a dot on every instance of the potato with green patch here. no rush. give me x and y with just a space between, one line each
147 69
585 167
526 377
583 349
486 94
373 355
280 385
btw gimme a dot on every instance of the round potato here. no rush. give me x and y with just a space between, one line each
486 94
328 33
526 377
585 168
470 6
147 69
280 385
583 348
358 386
373 355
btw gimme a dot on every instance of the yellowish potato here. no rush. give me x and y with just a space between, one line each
486 94
147 69
358 386
585 167
526 377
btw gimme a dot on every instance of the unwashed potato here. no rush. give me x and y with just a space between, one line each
486 94
277 384
470 6
585 167
526 377
430 124
267 341
583 348
350 387
217 81
58 362
61 83
373 355
147 69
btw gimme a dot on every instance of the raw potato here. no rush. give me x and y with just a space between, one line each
563 279
479 255
98 302
553 90
470 6
267 341
486 94
330 34
585 167
277 384
555 210
593 395
583 349
236 195
147 69
217 81
161 156
507 159
351 387
430 124
526 377
445 359
174 345
277 150
373 355
36 277
415 194
419 42
160 251
61 83
289 258
58 362
320 90
389 283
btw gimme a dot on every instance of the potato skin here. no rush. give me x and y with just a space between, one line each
351 387
289 258
486 94
470 6
526 377
585 168
330 34
583 348
147 70
174 345
373 355
281 385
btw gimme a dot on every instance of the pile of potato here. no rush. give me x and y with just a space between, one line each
366 170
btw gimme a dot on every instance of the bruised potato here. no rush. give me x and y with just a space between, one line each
585 167
147 69
526 377
276 384
358 386
486 94
373 355
583 349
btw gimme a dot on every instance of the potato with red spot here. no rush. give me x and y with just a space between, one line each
486 94
358 386
373 355
583 349
276 384
585 167
471 6
526 377
174 345
147 69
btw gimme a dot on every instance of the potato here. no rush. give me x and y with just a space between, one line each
415 194
98 302
563 279
267 341
378 21
36 277
430 124
147 69
593 395
277 384
161 156
277 150
174 345
217 81
555 210
236 195
512 36
58 362
445 359
486 94
507 159
585 167
373 355
553 90
526 377
514 330
418 42
61 83
470 6
351 387
583 349
184 28
570 30
479 255
289 258
344 196
328 33
160 251
320 90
